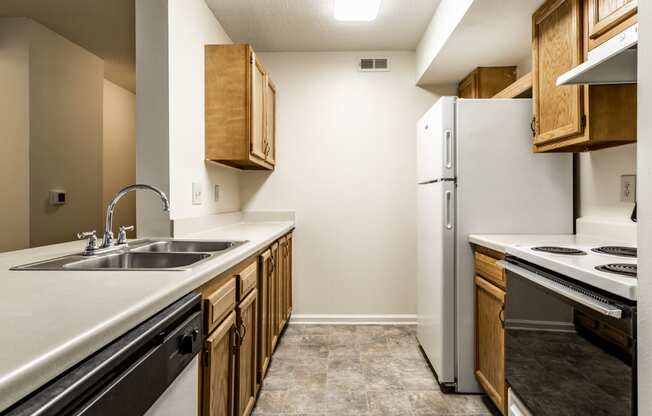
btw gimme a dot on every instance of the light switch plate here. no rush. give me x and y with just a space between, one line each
628 188
196 193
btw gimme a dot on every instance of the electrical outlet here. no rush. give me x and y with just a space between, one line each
216 193
628 188
196 193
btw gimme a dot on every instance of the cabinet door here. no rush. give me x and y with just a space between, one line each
490 341
258 92
282 276
274 294
270 122
265 303
288 277
604 15
218 373
556 48
246 368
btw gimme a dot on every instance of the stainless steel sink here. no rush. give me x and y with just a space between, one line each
180 246
139 261
162 255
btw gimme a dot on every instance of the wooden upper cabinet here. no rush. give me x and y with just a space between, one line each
573 118
557 47
490 341
236 101
218 372
607 18
485 82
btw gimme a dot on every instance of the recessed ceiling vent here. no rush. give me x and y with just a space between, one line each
373 65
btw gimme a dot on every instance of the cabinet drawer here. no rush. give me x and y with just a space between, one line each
218 304
486 267
247 279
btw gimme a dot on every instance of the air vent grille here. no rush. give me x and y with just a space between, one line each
373 64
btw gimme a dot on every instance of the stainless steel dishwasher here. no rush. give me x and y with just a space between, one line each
149 371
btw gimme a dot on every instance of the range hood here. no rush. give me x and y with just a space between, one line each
613 62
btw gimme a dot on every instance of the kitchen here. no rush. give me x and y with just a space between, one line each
300 154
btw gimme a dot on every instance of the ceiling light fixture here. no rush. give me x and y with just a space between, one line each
356 10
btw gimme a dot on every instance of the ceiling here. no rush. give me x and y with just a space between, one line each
104 27
308 25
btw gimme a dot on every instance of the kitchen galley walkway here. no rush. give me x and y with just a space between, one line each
367 370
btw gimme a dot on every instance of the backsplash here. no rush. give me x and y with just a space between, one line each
601 211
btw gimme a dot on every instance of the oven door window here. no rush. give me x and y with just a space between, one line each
564 359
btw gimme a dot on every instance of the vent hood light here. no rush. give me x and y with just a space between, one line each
356 10
613 62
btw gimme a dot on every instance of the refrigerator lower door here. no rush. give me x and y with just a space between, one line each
436 276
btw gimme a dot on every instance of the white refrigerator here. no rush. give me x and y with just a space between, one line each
477 174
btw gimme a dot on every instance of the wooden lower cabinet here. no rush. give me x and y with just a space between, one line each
246 368
282 284
490 341
288 277
243 311
218 375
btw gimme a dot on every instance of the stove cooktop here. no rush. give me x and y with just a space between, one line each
599 263
623 269
560 250
617 251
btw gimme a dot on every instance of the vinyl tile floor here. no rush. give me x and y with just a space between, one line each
368 370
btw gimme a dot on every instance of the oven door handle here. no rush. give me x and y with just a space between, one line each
565 291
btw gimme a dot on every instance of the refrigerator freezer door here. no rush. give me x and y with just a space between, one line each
436 142
436 276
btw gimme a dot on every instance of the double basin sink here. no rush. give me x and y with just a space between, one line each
160 254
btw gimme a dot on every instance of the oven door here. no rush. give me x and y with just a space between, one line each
568 350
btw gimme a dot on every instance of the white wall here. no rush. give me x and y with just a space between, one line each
644 157
599 183
152 114
193 25
346 164
119 151
14 135
170 40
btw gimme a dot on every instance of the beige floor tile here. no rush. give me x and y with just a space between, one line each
363 370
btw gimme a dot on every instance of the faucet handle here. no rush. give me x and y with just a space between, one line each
86 234
122 235
92 241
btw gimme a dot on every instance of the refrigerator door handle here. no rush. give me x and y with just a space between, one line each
447 209
448 142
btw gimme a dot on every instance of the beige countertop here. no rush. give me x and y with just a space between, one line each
52 320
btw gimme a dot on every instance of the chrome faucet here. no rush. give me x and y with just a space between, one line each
107 240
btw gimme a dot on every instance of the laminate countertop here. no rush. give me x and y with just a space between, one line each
51 320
